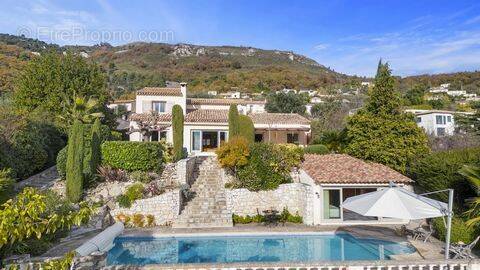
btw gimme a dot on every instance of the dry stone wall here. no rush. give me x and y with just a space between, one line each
165 207
296 197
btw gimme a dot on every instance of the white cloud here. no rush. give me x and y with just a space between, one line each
425 45
321 46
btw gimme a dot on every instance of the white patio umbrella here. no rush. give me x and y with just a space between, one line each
397 202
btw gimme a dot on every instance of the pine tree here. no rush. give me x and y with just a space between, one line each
75 163
383 97
233 121
177 125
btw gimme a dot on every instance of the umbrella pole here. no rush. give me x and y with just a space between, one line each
449 223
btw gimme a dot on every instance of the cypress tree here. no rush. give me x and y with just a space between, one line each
233 121
95 147
177 125
247 130
74 173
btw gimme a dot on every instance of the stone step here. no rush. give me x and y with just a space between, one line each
208 209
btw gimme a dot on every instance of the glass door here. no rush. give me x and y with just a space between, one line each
196 140
332 204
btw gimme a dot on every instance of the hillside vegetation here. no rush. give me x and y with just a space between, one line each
220 68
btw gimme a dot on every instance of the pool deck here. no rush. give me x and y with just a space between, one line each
425 251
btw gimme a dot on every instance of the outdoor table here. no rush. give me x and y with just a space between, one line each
271 217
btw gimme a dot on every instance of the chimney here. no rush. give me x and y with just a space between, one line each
183 89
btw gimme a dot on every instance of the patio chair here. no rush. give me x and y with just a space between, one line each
463 251
420 233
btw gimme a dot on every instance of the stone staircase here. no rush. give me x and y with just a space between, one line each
208 208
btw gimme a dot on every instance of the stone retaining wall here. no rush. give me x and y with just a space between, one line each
165 207
184 168
296 197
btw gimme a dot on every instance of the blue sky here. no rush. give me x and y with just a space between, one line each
415 36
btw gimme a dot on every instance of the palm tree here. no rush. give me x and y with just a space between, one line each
80 108
472 173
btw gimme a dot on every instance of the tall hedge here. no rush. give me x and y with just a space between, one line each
177 126
233 121
75 163
133 156
246 128
439 170
94 157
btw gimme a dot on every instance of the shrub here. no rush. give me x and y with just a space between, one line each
75 163
263 170
133 156
233 121
123 201
285 216
112 175
318 149
150 221
291 155
6 185
29 153
177 126
234 153
439 170
137 220
133 192
62 162
139 176
460 231
246 128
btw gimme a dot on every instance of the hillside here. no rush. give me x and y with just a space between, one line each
469 81
210 68
221 68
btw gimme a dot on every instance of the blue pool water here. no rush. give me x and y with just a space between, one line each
263 248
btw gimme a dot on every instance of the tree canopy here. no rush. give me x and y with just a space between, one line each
381 132
286 103
48 80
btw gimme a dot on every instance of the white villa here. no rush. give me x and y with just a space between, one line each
435 122
206 120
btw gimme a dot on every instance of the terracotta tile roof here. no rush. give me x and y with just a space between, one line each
345 169
160 118
279 119
207 116
221 101
160 91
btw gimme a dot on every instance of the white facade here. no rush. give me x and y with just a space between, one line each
335 214
206 120
436 123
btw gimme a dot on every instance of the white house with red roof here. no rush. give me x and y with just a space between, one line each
206 120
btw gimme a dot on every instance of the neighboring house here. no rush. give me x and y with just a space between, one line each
286 91
435 122
126 105
232 94
206 120
336 177
309 92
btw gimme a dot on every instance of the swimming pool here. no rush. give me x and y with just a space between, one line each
253 248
